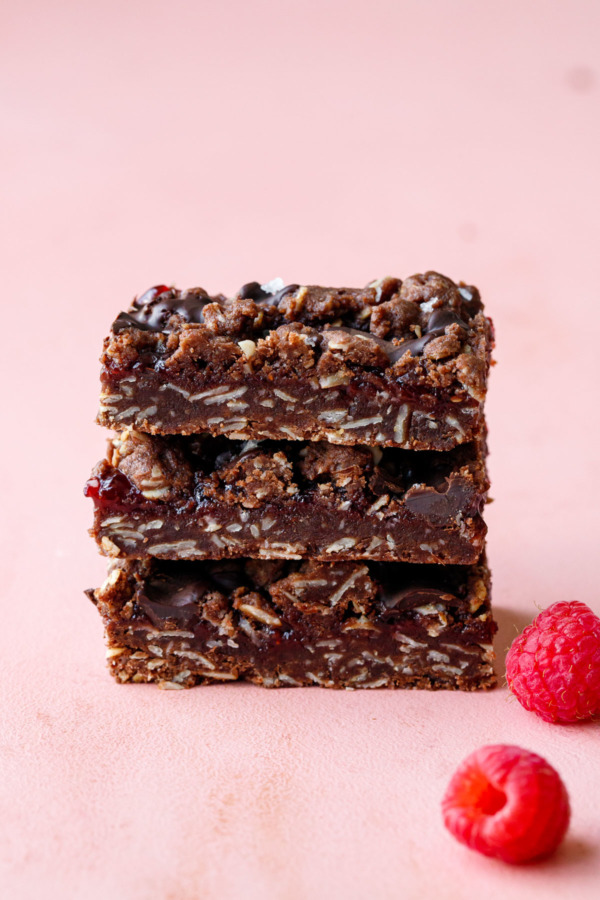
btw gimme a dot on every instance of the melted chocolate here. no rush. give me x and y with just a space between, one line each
255 291
125 320
423 478
403 586
175 590
442 506
152 311
436 327
407 598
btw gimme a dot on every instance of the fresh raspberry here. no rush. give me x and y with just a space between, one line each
553 668
507 802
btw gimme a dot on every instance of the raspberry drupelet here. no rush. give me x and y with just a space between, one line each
553 667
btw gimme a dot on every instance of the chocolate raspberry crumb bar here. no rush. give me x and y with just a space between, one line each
397 363
207 497
281 623
295 489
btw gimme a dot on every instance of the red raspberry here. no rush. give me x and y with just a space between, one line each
507 802
553 668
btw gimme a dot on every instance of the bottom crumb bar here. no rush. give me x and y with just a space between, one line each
282 623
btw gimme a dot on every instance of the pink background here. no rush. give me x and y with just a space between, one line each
334 142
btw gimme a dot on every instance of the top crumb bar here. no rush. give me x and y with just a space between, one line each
398 363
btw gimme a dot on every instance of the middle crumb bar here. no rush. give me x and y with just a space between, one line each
204 497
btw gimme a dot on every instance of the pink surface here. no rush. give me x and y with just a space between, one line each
326 142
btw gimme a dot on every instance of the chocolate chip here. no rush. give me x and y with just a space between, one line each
159 613
438 505
183 585
253 291
414 347
174 597
441 318
436 327
124 321
404 599
152 311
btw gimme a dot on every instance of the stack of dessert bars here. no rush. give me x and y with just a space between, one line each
294 491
